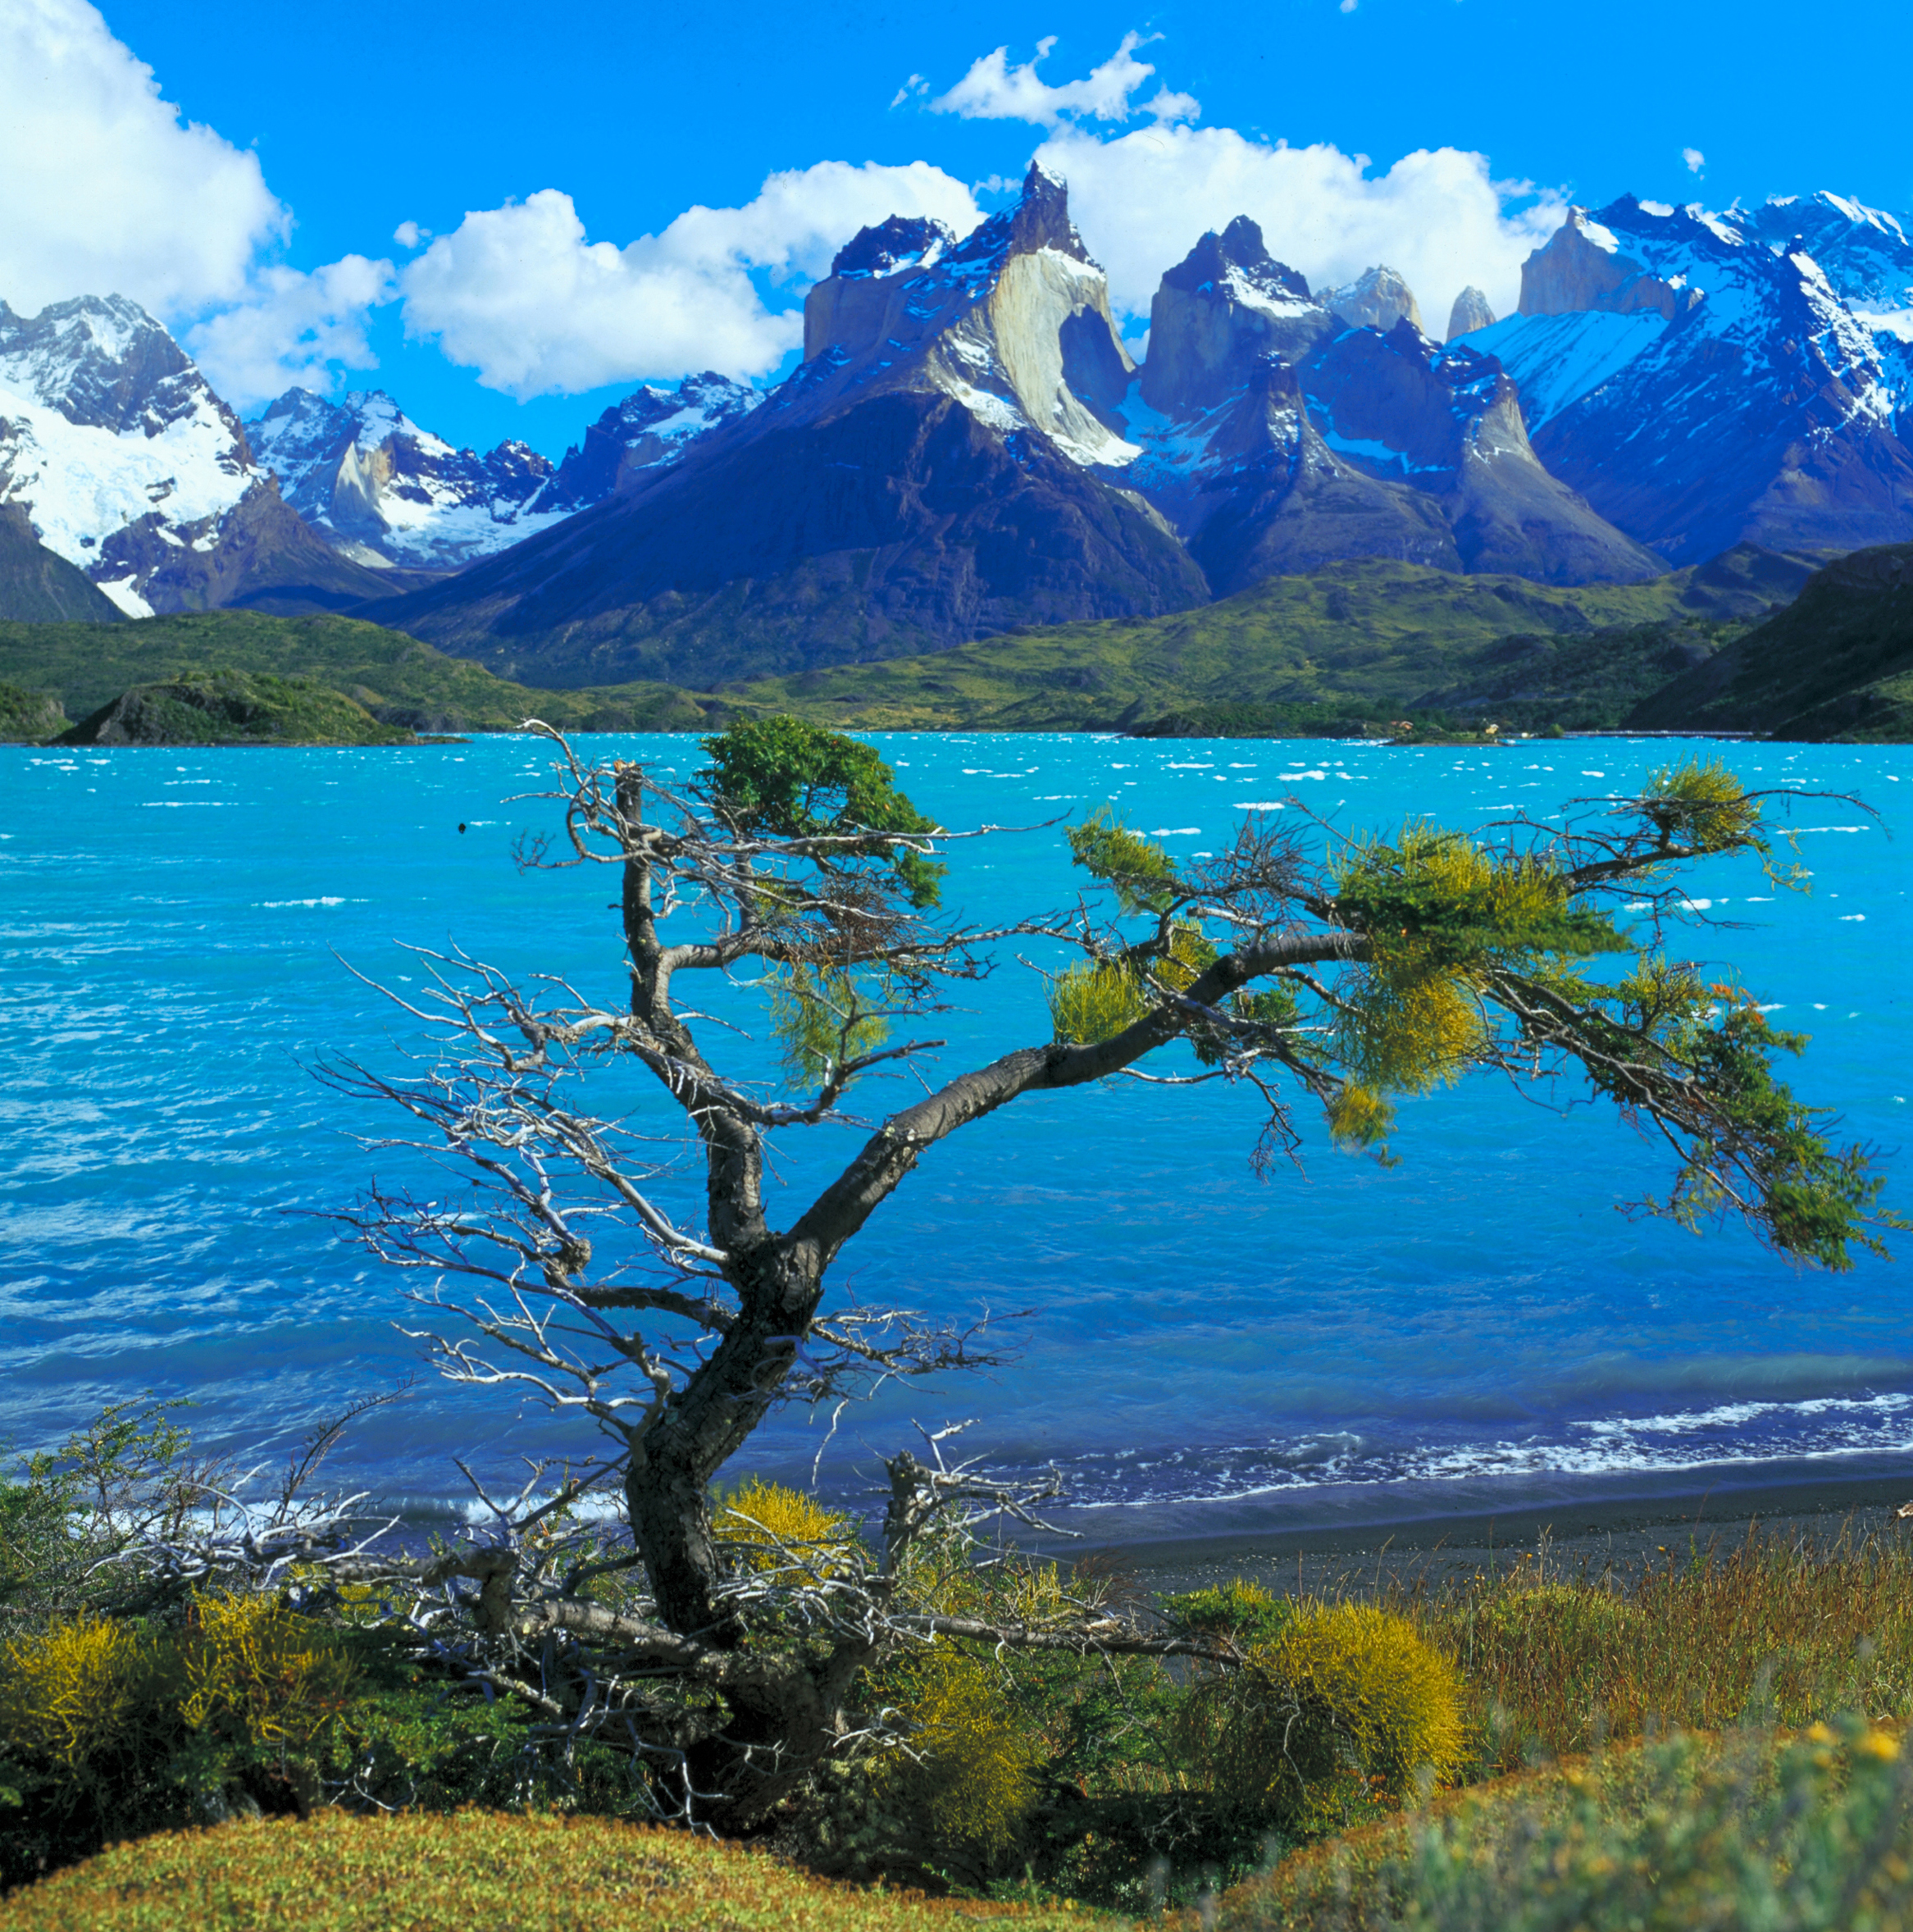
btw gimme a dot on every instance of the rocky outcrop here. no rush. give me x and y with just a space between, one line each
1340 442
1378 299
1472 310
1448 421
927 476
1583 266
1227 304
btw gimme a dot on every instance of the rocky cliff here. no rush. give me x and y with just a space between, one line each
1377 300
928 475
1277 437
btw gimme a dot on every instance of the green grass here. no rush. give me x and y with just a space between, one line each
1348 648
409 1873
234 707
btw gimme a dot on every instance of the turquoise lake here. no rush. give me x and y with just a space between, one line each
1477 1324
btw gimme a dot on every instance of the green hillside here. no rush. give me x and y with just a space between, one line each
1356 645
1369 638
1838 663
399 681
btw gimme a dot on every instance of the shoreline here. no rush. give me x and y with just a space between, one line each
1592 1536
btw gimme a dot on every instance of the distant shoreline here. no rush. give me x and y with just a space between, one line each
1592 1536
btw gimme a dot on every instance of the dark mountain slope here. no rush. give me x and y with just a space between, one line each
38 587
1837 662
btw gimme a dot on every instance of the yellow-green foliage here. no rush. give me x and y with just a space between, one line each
972 1766
243 1668
771 1526
79 1690
1339 1690
822 1016
422 1873
1140 872
1095 1001
251 1668
1704 808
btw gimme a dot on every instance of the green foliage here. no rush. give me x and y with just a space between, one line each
1810 1834
821 1018
1242 1611
791 780
1138 871
1342 1703
235 707
29 717
398 680
1096 1000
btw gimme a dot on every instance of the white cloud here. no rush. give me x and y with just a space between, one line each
520 294
1438 215
993 90
408 235
1694 158
106 190
293 328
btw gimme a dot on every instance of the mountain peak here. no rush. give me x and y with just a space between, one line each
1377 298
1472 310
1238 261
904 241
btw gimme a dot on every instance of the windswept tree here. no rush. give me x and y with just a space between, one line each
1330 975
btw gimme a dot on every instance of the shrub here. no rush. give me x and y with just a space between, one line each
252 1670
770 1526
82 1691
1345 1703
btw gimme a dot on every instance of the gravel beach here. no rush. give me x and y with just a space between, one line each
1622 1538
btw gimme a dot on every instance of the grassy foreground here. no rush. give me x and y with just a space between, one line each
421 1874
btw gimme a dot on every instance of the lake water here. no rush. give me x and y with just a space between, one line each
1208 1350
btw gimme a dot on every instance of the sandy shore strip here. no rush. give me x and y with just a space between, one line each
1593 1538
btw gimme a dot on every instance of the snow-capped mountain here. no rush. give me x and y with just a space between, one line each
651 427
385 492
1277 437
938 468
1703 384
129 466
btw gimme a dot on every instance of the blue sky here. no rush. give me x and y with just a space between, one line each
266 237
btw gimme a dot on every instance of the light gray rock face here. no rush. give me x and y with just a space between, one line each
1472 310
1226 303
1584 266
1378 299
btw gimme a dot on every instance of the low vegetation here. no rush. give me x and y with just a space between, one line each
400 682
544 1872
1717 1744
